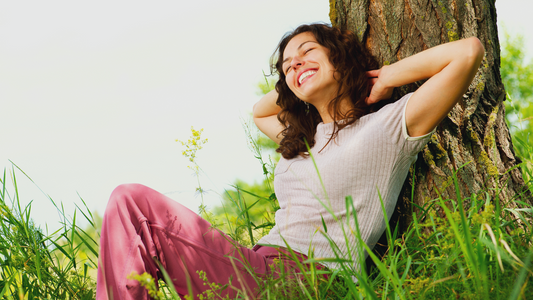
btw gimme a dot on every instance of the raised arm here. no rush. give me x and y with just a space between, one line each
265 114
450 68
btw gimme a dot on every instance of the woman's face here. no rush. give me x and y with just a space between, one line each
308 71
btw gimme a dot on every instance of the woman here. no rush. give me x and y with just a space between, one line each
324 98
366 156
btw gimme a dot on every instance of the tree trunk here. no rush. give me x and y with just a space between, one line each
474 139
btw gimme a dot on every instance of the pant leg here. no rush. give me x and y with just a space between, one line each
141 224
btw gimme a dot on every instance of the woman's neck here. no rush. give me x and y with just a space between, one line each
345 107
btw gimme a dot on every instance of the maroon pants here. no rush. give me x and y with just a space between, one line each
141 225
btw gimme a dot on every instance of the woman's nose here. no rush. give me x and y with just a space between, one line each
296 62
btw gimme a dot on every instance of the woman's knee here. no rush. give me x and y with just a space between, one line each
128 194
129 189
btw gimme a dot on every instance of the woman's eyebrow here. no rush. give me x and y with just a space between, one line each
299 47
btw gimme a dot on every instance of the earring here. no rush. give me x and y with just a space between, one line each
306 108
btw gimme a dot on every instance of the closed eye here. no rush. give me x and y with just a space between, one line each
289 67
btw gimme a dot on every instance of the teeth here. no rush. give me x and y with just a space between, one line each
305 75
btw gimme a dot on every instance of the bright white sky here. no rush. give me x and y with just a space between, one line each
94 94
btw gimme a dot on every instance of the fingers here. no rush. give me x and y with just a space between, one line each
378 92
373 73
371 100
372 80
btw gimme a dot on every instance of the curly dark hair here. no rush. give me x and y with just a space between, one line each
351 60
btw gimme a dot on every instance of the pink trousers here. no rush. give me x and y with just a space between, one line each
141 226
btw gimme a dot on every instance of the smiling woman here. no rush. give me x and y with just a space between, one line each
369 158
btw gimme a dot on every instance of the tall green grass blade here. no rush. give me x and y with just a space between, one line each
394 280
386 220
60 248
521 278
3 181
249 223
87 244
72 238
407 268
37 261
250 193
89 217
300 266
363 279
317 172
168 281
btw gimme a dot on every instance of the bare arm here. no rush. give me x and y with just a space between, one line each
265 116
450 67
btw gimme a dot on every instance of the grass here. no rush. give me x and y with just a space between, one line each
448 252
37 265
463 248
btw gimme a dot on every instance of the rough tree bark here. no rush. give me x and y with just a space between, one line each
474 138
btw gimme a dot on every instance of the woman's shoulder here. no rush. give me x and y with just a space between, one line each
397 106
388 112
389 118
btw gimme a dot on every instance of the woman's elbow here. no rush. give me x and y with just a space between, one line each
475 50
254 112
258 110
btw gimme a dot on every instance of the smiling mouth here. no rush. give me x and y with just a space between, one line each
305 75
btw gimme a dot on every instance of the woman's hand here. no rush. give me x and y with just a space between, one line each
265 113
378 88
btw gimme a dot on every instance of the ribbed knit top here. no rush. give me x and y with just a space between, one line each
368 158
